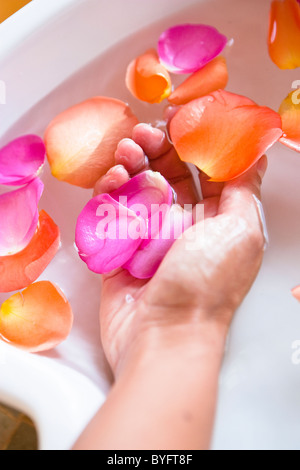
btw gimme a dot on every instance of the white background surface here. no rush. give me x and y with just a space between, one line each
53 56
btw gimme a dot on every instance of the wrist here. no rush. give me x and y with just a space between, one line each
176 340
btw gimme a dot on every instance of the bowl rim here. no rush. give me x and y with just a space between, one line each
29 18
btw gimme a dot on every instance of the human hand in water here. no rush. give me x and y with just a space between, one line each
194 294
165 338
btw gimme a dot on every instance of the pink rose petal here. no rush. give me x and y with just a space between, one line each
187 48
296 293
107 234
111 227
19 217
21 160
147 188
147 259
146 193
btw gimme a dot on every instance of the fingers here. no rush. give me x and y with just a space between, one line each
149 147
239 193
130 159
114 179
154 142
163 158
131 156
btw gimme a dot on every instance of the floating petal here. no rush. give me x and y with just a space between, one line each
290 115
19 217
147 79
21 160
81 141
284 34
224 134
211 77
187 48
296 293
37 319
22 269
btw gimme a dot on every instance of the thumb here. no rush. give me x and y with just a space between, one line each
237 195
242 198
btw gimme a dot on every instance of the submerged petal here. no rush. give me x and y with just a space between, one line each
284 34
290 115
21 160
37 319
81 141
224 134
19 217
20 270
187 48
147 79
211 77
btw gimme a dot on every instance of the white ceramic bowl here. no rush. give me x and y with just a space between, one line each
55 54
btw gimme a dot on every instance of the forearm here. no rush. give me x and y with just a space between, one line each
165 395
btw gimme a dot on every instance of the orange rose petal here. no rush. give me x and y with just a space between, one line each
147 79
37 319
290 115
23 268
81 141
296 293
284 34
211 77
224 134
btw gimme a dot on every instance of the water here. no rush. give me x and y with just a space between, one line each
259 403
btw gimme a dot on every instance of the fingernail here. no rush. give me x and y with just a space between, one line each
117 169
262 166
263 220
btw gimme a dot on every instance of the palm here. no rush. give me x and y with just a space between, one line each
177 285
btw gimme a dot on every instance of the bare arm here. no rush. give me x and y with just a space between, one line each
165 396
166 346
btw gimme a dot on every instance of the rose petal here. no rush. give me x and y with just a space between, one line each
224 134
211 77
20 270
296 293
284 34
290 115
147 259
37 319
146 194
107 234
149 188
19 217
81 141
111 227
147 79
187 48
21 160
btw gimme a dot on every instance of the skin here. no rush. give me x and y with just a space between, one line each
164 338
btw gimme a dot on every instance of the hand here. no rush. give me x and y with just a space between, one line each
198 286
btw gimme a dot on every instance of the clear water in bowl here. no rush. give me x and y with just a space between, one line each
258 361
